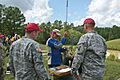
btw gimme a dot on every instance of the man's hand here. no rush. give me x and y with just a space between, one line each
65 34
75 74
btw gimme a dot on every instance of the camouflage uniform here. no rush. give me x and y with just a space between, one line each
1 61
90 56
26 60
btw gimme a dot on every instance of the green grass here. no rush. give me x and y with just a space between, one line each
114 44
112 70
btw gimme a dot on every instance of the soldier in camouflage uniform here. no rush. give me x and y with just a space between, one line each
90 56
1 59
26 60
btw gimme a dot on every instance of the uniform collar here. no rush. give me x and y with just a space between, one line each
92 32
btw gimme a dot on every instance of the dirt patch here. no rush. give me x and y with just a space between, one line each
113 52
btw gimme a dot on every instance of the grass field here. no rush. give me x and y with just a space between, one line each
114 44
112 70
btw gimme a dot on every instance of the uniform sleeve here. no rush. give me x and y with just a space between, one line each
63 40
38 63
53 44
11 61
1 63
1 53
80 53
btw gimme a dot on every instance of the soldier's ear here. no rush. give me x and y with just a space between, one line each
85 28
33 33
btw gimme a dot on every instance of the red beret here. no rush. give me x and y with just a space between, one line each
89 21
32 27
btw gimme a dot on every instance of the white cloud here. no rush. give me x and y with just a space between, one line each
105 12
77 22
34 10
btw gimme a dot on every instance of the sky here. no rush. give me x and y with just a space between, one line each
106 13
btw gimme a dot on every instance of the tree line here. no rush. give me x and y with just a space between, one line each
12 21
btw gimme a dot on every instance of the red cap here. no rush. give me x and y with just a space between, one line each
89 21
1 35
32 27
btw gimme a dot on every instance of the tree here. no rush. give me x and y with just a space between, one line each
57 24
12 20
1 18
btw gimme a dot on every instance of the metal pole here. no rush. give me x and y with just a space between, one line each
66 11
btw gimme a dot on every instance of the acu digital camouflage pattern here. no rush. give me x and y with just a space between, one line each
1 62
90 56
26 60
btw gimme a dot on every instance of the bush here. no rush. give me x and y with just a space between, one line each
111 57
